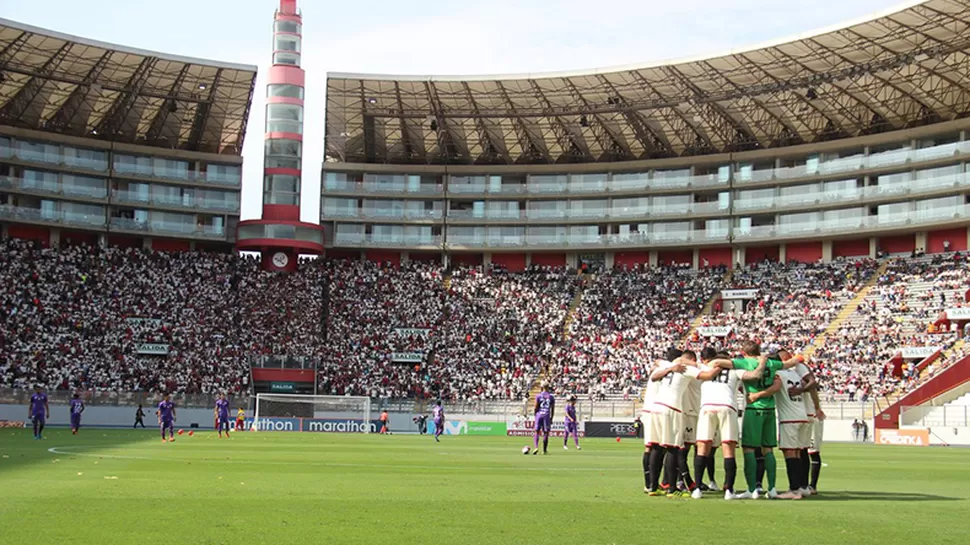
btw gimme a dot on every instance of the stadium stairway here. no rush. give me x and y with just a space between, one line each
570 317
708 307
847 312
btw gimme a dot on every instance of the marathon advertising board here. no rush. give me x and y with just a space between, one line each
153 349
315 425
526 428
739 294
407 357
714 331
13 424
412 331
610 429
918 352
962 313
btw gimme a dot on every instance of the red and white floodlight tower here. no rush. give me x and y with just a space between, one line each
279 234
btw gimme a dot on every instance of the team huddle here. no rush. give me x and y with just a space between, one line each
694 402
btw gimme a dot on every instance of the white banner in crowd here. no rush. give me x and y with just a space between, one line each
739 294
153 349
958 313
155 322
407 357
412 331
714 331
918 352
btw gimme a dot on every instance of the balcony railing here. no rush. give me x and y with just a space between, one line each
174 201
169 227
35 215
388 241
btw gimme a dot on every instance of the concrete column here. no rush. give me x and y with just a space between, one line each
826 250
405 257
486 260
192 249
696 263
5 233
146 243
782 253
873 247
528 260
739 256
610 260
921 240
55 239
654 258
572 260
445 259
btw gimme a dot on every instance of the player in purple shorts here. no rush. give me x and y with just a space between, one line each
438 415
39 411
545 409
572 425
77 407
222 414
166 418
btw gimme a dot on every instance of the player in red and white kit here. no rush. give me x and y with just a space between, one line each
718 421
794 429
668 417
646 419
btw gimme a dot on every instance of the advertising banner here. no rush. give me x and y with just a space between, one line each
917 437
407 357
452 427
526 428
714 331
610 429
412 331
918 352
962 313
316 425
739 294
12 424
487 428
153 349
282 387
154 322
331 425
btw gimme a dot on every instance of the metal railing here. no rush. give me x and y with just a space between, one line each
948 416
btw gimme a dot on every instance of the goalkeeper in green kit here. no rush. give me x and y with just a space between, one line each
759 428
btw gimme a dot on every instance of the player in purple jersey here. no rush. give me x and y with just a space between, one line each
166 418
39 411
545 410
438 415
222 414
572 425
77 407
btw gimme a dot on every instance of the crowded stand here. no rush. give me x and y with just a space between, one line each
114 319
628 317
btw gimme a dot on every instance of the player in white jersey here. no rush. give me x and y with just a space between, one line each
646 415
795 429
668 416
811 457
718 419
692 406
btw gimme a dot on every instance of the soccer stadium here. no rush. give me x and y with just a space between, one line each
593 306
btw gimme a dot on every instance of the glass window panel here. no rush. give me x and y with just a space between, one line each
287 43
289 59
284 90
289 26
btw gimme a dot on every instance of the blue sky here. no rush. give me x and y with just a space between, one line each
429 37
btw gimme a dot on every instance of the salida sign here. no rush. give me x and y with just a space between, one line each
915 437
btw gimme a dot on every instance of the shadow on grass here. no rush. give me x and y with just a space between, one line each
879 496
18 449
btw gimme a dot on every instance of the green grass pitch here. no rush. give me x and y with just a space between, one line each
121 487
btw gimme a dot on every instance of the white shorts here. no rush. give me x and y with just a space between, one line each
646 419
818 426
668 427
690 429
717 425
794 435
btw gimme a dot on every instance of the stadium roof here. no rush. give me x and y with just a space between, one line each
901 68
65 84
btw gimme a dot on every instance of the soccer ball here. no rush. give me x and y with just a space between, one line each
191 433
525 450
181 432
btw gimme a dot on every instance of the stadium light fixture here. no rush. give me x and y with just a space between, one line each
434 125
811 94
372 100
202 87
583 121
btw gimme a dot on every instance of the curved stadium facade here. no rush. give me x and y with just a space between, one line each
847 142
105 144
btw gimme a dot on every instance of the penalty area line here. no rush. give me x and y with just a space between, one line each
63 452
